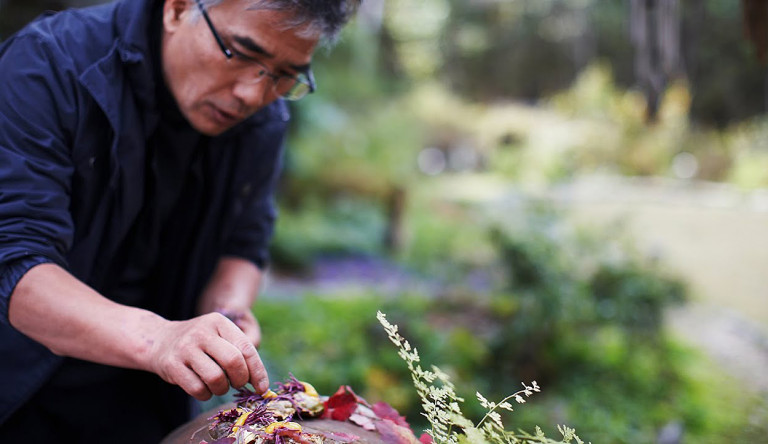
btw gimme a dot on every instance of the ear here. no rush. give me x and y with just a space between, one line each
174 13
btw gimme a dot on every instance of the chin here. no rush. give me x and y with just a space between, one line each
208 131
207 120
207 127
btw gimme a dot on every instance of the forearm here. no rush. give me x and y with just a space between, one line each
203 355
54 308
233 287
232 292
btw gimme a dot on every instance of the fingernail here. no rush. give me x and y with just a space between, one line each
263 385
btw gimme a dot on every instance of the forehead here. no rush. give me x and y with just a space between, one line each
270 29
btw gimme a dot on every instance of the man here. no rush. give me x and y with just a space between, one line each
139 148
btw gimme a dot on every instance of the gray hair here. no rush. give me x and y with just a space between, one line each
317 17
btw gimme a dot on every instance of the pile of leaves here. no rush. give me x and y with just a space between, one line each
270 418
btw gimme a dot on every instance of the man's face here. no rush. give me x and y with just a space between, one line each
215 93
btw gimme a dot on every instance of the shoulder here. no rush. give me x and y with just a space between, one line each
75 38
43 63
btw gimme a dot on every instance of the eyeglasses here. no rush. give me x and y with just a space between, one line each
285 86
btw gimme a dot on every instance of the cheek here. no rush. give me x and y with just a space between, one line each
190 90
192 72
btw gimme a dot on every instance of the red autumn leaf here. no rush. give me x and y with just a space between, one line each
386 411
359 399
363 421
340 405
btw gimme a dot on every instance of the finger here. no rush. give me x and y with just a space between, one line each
210 373
250 326
259 378
258 374
191 383
230 359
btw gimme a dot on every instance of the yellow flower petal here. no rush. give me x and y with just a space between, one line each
308 389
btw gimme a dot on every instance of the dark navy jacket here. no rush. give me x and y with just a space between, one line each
76 101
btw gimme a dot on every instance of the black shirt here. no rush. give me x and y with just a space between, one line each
174 190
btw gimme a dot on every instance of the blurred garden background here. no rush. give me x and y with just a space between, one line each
568 191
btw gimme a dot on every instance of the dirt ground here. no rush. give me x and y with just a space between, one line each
715 238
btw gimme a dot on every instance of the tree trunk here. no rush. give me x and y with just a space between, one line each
655 34
755 14
393 237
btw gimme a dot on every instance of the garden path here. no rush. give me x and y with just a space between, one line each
714 236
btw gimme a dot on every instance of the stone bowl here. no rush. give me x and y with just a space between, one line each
197 429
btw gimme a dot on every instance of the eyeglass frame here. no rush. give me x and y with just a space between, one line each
229 55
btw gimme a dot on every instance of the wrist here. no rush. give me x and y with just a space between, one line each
146 332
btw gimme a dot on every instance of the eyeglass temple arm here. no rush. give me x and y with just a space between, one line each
207 19
311 78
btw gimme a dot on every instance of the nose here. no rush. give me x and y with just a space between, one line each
253 96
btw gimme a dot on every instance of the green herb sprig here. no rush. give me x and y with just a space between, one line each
442 407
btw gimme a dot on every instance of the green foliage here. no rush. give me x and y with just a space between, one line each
321 343
609 388
628 296
343 226
595 126
343 144
628 396
355 150
560 282
614 134
332 342
578 312
433 244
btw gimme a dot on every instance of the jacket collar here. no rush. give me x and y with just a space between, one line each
133 21
126 62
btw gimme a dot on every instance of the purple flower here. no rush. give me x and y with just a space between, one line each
293 385
260 417
225 416
246 395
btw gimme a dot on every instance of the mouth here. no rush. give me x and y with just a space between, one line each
223 117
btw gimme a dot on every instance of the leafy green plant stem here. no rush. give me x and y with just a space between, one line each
527 391
441 404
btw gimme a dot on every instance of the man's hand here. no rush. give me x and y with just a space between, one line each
207 354
245 321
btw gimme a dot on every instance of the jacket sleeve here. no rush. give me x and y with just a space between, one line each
255 224
36 106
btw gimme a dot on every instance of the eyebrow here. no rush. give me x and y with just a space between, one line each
250 45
